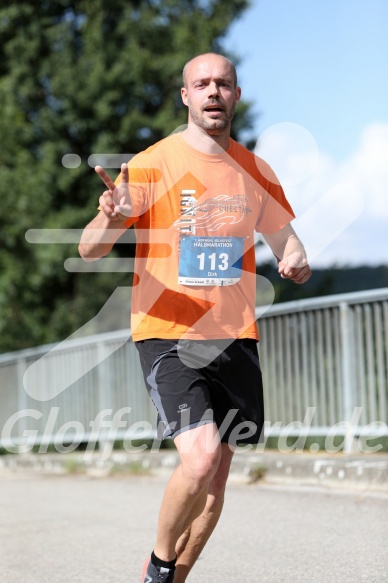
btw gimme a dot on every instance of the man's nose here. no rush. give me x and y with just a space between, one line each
213 89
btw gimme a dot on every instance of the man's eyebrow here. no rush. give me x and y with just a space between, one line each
218 79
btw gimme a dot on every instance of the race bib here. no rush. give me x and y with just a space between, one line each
210 260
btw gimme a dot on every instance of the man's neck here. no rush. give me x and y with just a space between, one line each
200 140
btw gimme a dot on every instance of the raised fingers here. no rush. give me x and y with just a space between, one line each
124 173
115 202
105 178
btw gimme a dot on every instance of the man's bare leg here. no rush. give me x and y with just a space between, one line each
193 540
186 492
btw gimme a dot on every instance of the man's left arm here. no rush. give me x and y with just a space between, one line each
290 253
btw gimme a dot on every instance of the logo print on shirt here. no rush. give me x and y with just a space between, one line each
211 214
186 222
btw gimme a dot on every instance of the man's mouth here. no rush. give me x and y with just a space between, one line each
215 112
213 109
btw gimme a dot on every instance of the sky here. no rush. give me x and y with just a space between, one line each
316 74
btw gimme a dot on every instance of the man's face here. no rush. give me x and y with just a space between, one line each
211 95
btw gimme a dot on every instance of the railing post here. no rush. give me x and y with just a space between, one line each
22 400
348 368
105 395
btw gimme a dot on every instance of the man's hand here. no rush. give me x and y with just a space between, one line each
115 202
295 267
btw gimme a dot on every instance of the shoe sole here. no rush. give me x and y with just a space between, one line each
144 571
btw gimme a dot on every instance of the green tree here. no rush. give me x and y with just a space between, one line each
82 77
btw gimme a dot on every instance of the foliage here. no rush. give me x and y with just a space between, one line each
81 78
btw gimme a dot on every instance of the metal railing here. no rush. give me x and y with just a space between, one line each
324 362
328 357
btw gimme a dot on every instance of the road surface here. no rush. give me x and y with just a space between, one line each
79 529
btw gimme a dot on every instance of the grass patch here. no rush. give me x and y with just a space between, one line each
134 468
256 473
73 466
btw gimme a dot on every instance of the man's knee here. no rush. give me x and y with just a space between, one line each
200 454
200 467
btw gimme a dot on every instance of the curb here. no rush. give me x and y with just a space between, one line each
365 472
330 471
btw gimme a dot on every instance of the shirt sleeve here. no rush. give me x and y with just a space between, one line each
275 210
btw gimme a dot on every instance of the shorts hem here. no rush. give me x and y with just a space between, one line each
188 427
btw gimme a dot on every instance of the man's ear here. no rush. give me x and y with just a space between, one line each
184 95
238 94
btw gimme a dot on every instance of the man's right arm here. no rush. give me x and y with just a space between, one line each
102 232
99 236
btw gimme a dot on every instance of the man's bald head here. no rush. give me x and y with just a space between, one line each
203 58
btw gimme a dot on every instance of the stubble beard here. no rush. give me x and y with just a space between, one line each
212 127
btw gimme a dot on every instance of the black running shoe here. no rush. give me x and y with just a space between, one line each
156 574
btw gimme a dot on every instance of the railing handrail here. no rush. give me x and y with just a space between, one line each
275 309
325 302
36 351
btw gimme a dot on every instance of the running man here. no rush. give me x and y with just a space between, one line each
196 199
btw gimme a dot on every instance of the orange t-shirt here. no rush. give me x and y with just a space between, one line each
195 215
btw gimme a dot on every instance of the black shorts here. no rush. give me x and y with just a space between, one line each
193 382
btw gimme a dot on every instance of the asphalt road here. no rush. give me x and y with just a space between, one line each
78 529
